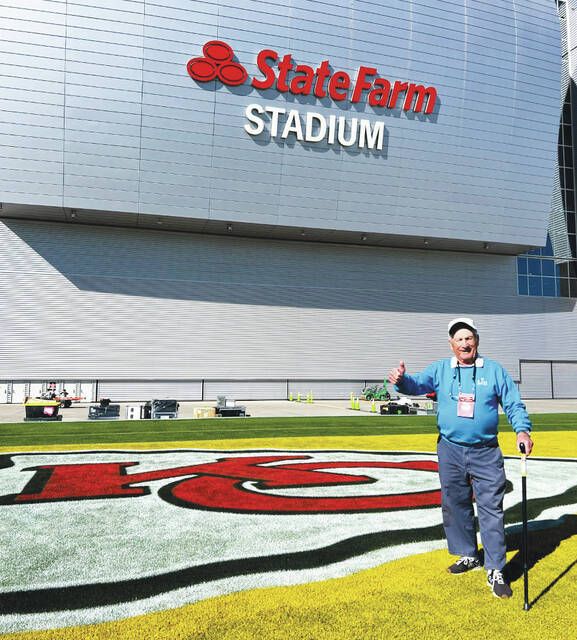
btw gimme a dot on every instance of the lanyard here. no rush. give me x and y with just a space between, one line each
474 375
459 377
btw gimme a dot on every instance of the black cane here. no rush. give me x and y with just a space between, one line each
524 511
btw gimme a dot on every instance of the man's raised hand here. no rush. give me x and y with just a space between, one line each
396 374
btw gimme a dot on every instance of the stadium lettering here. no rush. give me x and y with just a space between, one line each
237 484
282 74
314 127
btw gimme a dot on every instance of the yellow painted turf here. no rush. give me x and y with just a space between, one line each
555 444
411 598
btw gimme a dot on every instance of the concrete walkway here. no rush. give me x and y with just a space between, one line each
273 408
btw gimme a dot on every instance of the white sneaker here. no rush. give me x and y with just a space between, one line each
464 564
499 586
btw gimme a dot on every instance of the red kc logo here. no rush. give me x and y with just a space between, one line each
217 63
233 484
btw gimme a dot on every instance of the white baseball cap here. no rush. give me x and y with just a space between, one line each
459 323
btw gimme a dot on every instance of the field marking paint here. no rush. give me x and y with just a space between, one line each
106 536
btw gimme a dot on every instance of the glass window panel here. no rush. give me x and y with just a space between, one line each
523 286
535 286
534 266
567 136
549 287
548 250
572 268
569 199
573 288
548 268
572 244
522 266
533 252
568 178
571 222
564 287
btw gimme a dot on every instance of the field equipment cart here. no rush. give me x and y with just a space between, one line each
377 392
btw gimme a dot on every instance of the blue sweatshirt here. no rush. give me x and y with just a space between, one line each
493 386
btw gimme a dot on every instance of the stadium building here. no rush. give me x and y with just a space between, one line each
257 198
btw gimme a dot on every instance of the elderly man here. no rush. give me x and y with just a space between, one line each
469 390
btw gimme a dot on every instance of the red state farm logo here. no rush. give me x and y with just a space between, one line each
284 75
232 484
217 63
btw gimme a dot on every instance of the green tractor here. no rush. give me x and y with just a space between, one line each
377 392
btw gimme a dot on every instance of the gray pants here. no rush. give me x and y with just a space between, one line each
464 470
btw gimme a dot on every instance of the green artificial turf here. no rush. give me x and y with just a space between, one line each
56 433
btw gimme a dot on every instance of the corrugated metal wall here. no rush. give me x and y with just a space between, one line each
536 380
246 389
98 112
323 389
133 304
564 379
549 379
141 390
123 305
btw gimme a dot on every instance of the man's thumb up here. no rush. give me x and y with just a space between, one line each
396 374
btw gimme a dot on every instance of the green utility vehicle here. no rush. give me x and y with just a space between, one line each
377 392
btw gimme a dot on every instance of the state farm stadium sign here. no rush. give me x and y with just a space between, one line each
283 75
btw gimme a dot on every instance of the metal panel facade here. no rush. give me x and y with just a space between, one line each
246 389
536 380
325 389
144 390
101 303
565 379
98 112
